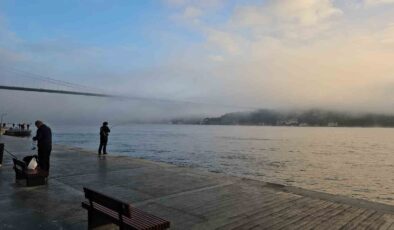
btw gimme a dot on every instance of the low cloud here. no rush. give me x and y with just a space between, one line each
270 54
301 54
377 2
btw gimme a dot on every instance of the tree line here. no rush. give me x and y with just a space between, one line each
312 117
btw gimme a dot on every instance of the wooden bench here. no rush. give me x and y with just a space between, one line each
33 177
104 210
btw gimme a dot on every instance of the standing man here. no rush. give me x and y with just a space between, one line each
104 132
44 144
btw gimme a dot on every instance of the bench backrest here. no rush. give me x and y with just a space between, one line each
19 164
116 205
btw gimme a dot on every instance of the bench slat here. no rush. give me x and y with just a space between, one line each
117 205
136 221
116 210
149 217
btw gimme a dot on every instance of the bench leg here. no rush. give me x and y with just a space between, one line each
19 175
35 181
98 221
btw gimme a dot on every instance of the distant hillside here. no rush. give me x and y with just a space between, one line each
313 117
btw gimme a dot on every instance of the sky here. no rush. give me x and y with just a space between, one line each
276 54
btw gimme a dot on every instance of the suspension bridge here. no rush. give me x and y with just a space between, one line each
21 80
16 80
17 88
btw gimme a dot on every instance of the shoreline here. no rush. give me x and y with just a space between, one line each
188 197
362 203
296 188
294 126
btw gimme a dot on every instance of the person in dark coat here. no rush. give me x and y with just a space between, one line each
44 144
104 132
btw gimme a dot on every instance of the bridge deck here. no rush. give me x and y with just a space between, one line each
189 198
41 90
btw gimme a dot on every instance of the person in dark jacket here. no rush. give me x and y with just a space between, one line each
44 144
104 132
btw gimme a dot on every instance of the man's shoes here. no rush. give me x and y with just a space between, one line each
105 153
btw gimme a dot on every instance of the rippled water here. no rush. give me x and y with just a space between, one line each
357 162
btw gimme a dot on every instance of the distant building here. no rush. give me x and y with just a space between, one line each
289 122
332 124
292 122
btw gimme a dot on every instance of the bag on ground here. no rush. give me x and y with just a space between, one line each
31 162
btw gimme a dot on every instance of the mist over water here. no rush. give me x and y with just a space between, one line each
356 162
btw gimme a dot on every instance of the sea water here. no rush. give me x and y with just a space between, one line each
355 162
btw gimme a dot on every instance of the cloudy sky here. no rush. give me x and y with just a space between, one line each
276 54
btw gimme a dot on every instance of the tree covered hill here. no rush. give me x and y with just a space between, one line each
313 117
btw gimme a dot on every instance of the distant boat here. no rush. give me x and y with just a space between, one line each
18 132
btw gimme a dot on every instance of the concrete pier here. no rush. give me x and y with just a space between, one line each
189 198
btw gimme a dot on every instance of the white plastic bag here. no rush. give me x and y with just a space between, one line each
32 164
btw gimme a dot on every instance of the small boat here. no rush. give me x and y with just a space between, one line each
18 132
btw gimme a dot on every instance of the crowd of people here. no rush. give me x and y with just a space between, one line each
20 126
